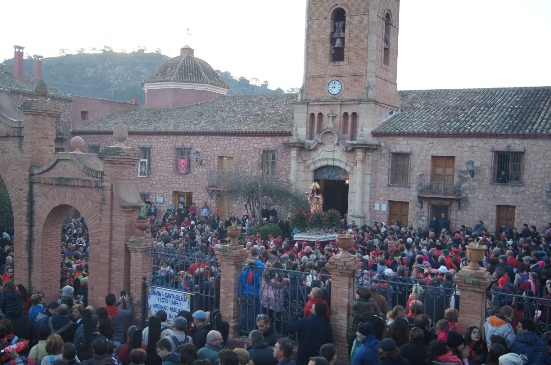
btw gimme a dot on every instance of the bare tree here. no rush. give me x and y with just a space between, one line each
255 190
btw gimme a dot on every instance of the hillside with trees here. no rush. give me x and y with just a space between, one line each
118 75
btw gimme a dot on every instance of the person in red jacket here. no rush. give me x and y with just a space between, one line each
316 295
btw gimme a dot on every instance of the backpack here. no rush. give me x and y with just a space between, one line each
40 319
52 359
62 329
177 342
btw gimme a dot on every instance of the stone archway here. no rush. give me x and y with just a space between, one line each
43 185
6 210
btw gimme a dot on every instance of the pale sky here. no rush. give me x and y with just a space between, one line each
442 43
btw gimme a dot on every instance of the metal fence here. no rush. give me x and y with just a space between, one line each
435 298
524 306
191 271
278 293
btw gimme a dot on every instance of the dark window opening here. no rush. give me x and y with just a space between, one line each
354 127
84 114
337 41
93 149
386 40
344 127
319 125
312 126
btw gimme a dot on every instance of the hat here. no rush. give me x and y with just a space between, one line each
365 328
373 253
502 257
455 339
67 290
409 240
527 258
511 359
201 315
502 281
389 272
387 344
442 269
445 251
456 251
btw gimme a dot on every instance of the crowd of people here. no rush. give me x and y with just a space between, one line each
406 309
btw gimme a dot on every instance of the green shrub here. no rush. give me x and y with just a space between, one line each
265 230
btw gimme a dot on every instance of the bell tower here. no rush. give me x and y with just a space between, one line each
349 87
350 67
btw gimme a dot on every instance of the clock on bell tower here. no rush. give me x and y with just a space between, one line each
350 66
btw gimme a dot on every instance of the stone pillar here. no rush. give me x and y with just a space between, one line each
358 184
343 287
472 285
231 259
294 165
139 259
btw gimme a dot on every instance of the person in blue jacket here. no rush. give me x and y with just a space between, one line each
368 352
249 294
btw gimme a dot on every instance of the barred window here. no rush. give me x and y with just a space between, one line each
145 162
93 148
508 167
399 168
268 163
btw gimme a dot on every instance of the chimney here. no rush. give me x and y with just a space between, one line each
18 62
38 66
186 51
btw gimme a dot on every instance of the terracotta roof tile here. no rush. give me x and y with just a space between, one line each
187 69
500 111
26 85
269 114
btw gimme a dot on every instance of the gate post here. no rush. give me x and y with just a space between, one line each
472 286
231 259
343 287
139 259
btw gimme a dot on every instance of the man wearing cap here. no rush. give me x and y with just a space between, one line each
202 328
368 352
179 333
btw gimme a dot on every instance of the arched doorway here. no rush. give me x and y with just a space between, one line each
333 181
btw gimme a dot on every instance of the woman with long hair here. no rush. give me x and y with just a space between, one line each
477 346
399 330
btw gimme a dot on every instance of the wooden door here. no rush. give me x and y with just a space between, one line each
224 206
182 200
443 170
437 210
505 215
398 211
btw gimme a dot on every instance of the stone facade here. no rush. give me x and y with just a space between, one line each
163 179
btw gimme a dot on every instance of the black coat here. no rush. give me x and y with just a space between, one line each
262 354
313 332
414 352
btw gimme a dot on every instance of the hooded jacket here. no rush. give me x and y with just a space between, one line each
368 353
497 325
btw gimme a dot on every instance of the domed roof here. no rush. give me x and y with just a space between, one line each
186 69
